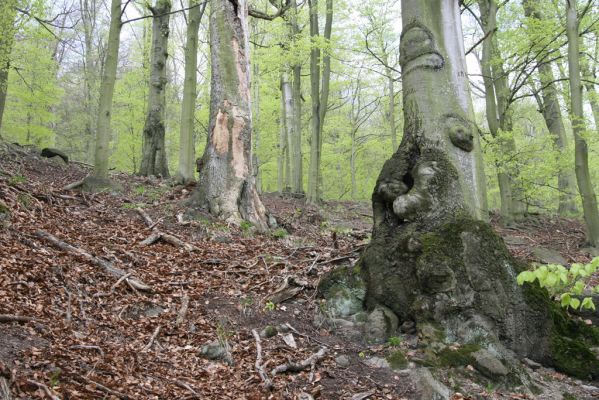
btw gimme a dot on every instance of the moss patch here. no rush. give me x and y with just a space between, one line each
397 360
458 357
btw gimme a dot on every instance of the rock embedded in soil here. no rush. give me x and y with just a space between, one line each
342 361
489 365
428 387
548 256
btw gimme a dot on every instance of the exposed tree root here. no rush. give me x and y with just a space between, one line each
159 235
259 366
309 362
98 262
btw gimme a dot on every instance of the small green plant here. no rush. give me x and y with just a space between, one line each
246 303
564 283
16 180
132 206
246 226
270 306
361 354
394 341
280 233
55 378
140 190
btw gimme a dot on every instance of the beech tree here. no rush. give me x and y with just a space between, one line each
227 185
581 153
186 142
153 161
8 14
432 258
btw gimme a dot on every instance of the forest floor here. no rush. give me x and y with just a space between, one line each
83 333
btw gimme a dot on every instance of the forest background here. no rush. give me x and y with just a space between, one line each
54 78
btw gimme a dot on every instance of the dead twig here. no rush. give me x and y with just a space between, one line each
183 310
49 392
151 342
259 367
105 265
302 365
159 235
14 318
105 389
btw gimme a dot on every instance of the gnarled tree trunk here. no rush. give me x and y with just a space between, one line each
153 157
8 13
431 259
226 187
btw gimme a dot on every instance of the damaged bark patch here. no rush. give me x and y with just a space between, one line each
220 133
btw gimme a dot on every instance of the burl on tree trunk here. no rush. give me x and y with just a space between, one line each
227 186
433 259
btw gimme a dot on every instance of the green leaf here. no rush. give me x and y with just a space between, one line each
590 268
574 303
578 287
566 299
588 304
526 276
551 280
575 269
542 273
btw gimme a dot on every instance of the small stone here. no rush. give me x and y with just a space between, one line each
548 256
428 387
531 364
214 351
377 362
268 332
342 361
590 388
381 323
488 364
223 239
408 327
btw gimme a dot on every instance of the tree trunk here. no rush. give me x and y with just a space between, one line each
498 115
8 15
589 78
88 19
102 152
319 98
288 124
153 161
186 138
227 189
431 260
552 114
392 124
255 86
581 156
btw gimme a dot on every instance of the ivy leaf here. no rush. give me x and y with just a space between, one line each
574 303
578 287
526 276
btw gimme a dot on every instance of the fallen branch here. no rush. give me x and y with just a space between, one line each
105 265
74 185
259 367
183 310
49 392
151 342
302 365
105 389
159 235
14 318
4 389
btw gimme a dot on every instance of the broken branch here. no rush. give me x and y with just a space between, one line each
259 367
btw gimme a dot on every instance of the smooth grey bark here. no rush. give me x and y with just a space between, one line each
8 13
550 109
109 68
186 137
294 148
319 95
153 159
391 94
226 187
90 70
288 133
592 96
497 109
581 155
282 145
255 87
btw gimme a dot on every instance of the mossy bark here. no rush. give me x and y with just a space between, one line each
227 186
432 258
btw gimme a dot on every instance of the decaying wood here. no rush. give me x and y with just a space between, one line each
159 235
98 262
49 392
15 318
74 185
259 366
183 310
302 365
4 389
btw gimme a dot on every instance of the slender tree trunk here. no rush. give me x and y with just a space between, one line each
497 109
581 155
552 114
282 137
352 163
227 188
102 152
88 18
153 160
288 117
8 15
294 130
255 87
186 136
319 98
392 124
589 78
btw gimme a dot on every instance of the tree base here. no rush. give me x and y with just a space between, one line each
94 185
